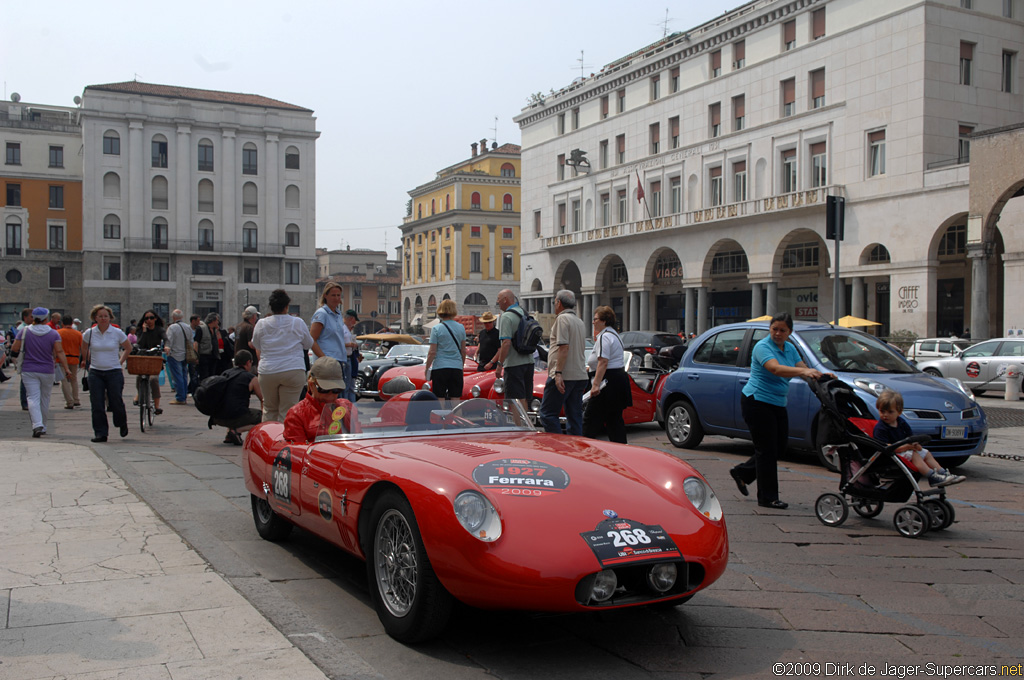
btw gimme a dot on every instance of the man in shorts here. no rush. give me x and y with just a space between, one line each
515 367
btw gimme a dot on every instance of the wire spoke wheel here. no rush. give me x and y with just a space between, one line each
143 402
395 563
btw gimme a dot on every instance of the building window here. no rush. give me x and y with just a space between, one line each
620 98
13 195
716 63
602 154
419 267
205 157
536 223
57 197
56 278
291 158
739 181
561 166
205 195
250 159
56 156
966 58
56 237
879 254
954 241
789 171
676 194
250 239
1008 9
739 112
506 233
159 152
623 206
789 35
508 170
561 123
291 236
673 131
788 97
729 262
206 235
620 275
161 271
111 185
576 218
292 278
620 149
819 168
655 199
447 262
13 236
604 107
207 268
655 133
739 54
673 80
655 87
876 153
817 88
250 199
818 24
576 119
111 143
474 201
112 227
964 146
433 266
13 153
291 197
474 262
159 197
160 234
506 263
715 119
111 269
561 218
474 232
606 209
967 4
716 186
800 255
1006 77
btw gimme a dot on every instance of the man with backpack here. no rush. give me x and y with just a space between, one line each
225 398
519 334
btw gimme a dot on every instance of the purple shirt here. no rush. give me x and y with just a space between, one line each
38 349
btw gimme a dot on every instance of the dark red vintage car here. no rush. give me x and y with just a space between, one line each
466 501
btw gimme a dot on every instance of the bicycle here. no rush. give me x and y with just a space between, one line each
145 364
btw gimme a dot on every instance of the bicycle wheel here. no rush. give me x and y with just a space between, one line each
143 402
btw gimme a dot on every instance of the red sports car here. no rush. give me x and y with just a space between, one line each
468 502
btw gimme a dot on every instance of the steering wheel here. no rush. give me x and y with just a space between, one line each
475 413
848 365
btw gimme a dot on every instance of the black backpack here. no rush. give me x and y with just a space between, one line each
528 334
209 396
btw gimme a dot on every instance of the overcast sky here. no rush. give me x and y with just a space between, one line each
400 89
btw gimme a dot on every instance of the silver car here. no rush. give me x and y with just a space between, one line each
979 367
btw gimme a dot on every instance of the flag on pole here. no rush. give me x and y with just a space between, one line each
639 188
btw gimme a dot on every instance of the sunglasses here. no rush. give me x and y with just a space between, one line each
321 390
149 318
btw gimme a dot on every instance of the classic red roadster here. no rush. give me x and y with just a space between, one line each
467 501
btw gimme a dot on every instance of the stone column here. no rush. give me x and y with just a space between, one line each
491 252
137 172
645 310
548 306
586 312
690 311
772 303
183 186
229 230
978 254
634 310
857 306
273 224
702 309
756 304
457 255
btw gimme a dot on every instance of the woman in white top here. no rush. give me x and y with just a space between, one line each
105 347
281 342
604 410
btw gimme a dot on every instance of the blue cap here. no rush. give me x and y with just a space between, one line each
40 313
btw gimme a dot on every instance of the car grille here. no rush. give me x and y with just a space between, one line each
928 415
954 445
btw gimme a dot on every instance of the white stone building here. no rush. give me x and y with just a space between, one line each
197 199
737 130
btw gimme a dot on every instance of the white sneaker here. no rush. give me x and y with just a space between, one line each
949 478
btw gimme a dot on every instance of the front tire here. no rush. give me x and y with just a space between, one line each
933 372
682 426
411 603
269 525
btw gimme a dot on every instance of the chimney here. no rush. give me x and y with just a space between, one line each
483 146
473 147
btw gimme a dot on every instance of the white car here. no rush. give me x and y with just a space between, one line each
979 367
933 348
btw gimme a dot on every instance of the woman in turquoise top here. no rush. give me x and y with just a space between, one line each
773 362
447 353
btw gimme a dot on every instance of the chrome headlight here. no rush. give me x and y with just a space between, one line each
477 516
475 391
368 371
702 497
662 577
873 387
535 405
605 583
499 385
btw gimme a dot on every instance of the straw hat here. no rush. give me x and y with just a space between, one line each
488 318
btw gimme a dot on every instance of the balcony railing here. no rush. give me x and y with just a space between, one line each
236 247
799 200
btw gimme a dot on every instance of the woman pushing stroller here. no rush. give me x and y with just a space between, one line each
892 428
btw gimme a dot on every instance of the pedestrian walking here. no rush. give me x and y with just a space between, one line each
42 347
607 402
281 342
487 343
105 347
71 341
515 367
567 372
447 354
180 340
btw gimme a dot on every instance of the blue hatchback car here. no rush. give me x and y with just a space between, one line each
703 395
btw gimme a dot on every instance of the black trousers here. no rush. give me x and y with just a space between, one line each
446 383
769 428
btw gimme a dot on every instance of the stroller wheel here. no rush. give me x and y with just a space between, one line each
866 508
941 513
831 509
911 521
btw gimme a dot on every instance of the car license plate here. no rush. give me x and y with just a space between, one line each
958 432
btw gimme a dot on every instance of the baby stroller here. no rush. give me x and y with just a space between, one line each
871 473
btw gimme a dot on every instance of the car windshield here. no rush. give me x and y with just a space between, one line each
408 351
854 352
666 340
420 413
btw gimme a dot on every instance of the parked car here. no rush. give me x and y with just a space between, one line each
664 348
703 396
399 355
931 348
980 367
470 503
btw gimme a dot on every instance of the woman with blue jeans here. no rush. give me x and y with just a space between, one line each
42 347
106 347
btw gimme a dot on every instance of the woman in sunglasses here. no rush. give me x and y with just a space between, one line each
325 382
150 334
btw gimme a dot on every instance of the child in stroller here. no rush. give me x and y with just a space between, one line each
871 472
892 428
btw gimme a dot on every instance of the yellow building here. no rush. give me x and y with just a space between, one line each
460 239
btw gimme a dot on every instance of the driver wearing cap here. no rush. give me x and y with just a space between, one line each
324 384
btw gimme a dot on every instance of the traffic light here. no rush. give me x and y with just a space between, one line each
835 210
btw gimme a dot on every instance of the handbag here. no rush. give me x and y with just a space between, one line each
85 381
191 356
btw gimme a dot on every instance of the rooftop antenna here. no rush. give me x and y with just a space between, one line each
582 66
664 24
495 130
